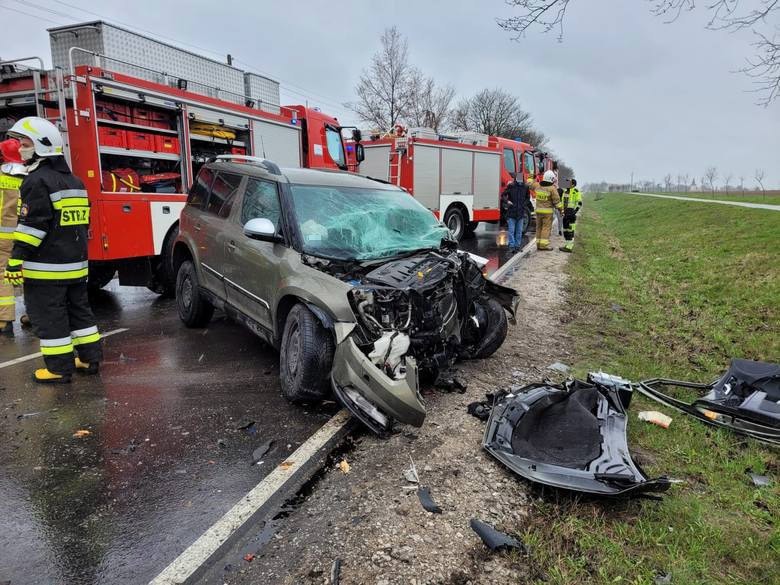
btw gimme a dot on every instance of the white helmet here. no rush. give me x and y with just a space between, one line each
45 136
549 176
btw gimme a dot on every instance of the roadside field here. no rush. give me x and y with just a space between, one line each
672 289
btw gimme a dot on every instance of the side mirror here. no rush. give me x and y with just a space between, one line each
360 153
260 228
357 136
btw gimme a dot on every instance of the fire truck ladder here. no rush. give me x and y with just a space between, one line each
396 154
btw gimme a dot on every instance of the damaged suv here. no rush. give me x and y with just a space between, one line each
360 288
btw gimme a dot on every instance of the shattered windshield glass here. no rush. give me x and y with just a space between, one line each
349 223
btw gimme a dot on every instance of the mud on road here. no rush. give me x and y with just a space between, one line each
374 523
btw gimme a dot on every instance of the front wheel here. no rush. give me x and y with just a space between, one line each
194 310
455 220
491 330
305 357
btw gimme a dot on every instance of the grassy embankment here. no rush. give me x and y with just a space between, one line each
672 289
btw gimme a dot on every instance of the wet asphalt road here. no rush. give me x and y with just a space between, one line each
163 459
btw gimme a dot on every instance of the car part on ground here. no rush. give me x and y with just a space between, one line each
570 436
424 494
494 539
745 399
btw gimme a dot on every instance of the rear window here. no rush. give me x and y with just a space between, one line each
223 190
199 192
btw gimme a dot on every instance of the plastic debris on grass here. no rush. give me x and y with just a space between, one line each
494 539
655 417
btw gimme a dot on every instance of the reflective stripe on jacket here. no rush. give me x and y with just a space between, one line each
9 203
572 198
51 235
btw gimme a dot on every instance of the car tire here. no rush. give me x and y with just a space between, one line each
164 278
471 227
493 322
305 357
456 222
194 310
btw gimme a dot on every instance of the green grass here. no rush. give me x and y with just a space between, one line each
769 197
673 289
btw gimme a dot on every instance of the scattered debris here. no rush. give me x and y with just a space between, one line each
759 480
662 579
450 382
570 436
222 443
244 424
411 474
259 453
81 433
285 465
200 359
426 500
616 308
249 557
344 466
27 415
335 572
655 417
481 410
495 540
517 374
559 367
744 399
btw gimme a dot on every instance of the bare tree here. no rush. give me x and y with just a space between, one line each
668 182
742 184
727 182
723 15
710 175
429 104
495 112
759 176
384 90
684 183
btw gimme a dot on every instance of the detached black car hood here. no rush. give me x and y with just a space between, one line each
571 437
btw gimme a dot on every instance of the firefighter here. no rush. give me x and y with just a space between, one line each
515 199
49 255
547 200
12 172
572 203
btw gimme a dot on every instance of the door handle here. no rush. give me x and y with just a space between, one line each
231 246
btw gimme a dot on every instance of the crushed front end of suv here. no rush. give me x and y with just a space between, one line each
360 288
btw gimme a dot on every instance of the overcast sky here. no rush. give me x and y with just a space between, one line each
624 92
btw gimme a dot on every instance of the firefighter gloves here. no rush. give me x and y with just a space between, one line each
13 273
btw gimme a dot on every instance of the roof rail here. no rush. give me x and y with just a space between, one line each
268 165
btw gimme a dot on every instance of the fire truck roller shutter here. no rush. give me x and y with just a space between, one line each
277 142
487 177
377 162
426 176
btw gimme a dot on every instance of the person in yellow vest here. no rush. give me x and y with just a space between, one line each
12 171
572 203
547 200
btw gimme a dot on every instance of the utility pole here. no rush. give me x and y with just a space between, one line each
631 188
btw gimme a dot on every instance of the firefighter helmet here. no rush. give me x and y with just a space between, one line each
44 135
549 177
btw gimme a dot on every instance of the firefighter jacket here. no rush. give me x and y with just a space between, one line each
547 197
11 176
51 235
572 199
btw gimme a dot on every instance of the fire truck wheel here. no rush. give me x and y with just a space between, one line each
305 357
194 310
100 274
455 220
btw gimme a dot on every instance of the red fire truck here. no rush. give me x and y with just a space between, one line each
459 177
137 141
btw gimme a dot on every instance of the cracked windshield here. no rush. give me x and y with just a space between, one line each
347 223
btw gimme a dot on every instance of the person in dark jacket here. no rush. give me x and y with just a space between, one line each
515 200
50 255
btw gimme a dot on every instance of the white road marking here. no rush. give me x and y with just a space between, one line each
199 552
722 202
32 356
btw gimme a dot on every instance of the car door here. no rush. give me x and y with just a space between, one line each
252 267
213 224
